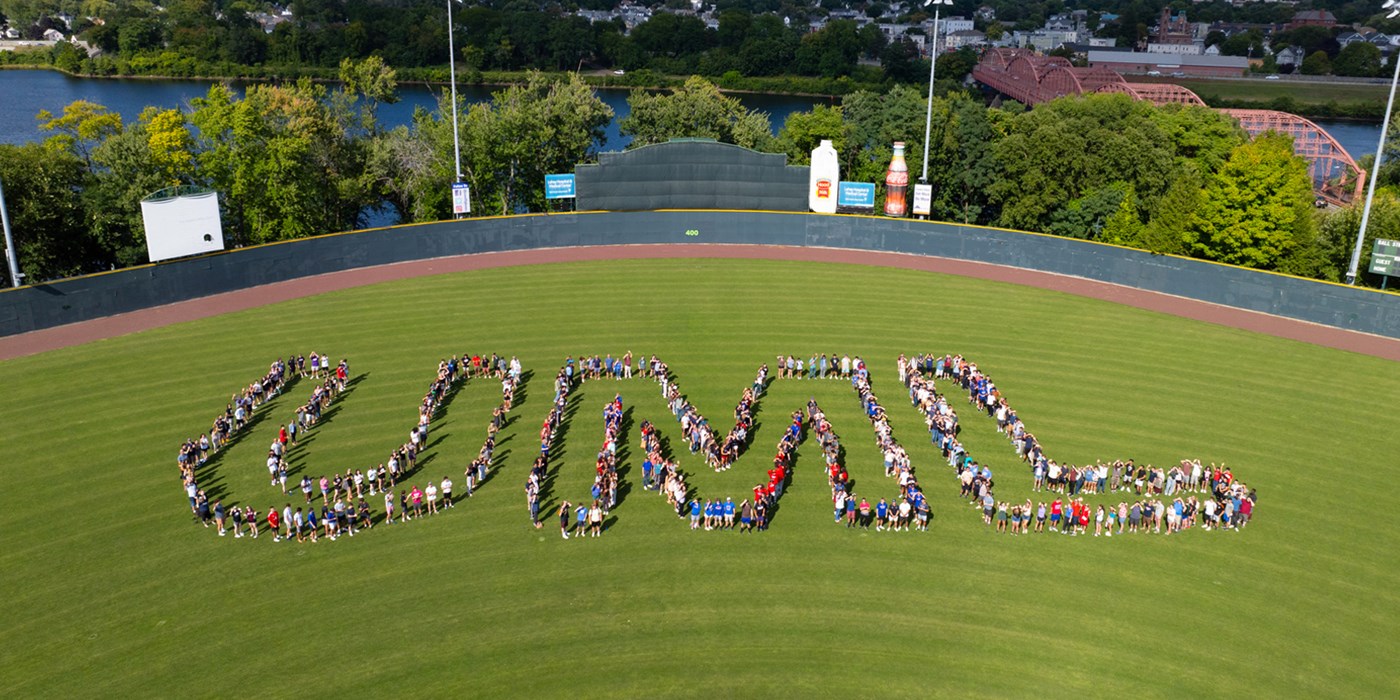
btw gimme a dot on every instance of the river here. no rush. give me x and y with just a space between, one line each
24 92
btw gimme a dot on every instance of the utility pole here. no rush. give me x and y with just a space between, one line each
11 255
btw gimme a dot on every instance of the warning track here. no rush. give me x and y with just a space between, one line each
47 339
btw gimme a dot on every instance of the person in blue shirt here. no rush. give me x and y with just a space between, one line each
729 513
695 514
581 519
647 467
882 511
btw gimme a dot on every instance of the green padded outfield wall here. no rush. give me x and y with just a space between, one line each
691 174
95 296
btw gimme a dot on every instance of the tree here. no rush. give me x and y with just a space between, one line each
1329 257
874 122
1201 136
1067 149
83 125
153 153
1316 63
47 219
831 51
527 131
804 131
1256 208
1085 217
900 59
696 109
373 82
285 161
1166 229
1359 59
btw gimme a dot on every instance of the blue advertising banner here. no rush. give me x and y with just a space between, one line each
856 194
559 186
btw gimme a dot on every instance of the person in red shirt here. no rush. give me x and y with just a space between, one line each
273 520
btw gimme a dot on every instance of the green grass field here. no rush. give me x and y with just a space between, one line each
112 590
1307 92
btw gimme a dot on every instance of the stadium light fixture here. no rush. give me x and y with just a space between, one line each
1394 7
932 64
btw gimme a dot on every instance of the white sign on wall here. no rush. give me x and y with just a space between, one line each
181 224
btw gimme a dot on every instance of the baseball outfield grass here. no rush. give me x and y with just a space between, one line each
111 589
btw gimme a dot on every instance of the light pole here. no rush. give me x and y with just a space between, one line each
932 64
11 255
1380 152
452 68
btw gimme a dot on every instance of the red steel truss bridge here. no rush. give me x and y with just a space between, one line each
1031 79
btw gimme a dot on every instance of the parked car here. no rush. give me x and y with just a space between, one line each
1271 77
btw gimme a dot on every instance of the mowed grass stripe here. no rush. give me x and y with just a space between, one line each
118 593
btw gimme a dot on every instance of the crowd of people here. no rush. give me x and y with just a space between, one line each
344 504
1174 499
590 518
816 366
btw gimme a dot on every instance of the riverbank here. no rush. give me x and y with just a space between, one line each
1313 99
790 86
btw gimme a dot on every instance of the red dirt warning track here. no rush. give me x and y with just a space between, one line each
77 333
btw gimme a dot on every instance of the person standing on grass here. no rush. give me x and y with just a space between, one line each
201 508
447 492
595 519
432 494
564 519
250 517
695 514
389 507
273 523
366 521
581 521
219 516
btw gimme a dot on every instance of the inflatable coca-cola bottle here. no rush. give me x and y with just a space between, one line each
897 184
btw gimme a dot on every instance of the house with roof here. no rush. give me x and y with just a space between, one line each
1312 18
967 37
1289 56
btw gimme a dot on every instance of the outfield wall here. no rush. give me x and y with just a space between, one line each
85 298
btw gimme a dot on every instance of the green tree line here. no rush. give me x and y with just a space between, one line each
303 159
182 38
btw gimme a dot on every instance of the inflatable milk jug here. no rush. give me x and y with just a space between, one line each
825 173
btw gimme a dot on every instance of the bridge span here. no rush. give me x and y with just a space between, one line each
1030 78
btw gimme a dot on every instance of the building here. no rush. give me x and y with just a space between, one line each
1173 30
956 40
1291 56
948 25
1312 18
1143 63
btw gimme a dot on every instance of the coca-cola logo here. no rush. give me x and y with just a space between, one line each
823 189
